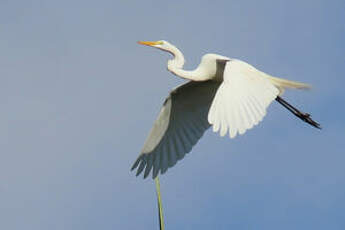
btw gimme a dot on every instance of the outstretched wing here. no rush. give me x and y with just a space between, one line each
241 100
180 124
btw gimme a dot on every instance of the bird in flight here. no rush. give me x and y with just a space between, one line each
228 94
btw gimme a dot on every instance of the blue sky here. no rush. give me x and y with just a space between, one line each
78 97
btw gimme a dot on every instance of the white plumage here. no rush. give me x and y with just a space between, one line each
241 100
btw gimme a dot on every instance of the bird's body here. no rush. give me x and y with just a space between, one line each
229 94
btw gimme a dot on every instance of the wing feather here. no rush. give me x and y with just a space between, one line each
241 100
172 153
141 166
148 166
164 157
180 124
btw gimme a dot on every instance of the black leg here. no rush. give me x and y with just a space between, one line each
303 116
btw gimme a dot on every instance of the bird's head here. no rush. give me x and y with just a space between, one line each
176 62
161 44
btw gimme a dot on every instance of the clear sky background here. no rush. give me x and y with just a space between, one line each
78 97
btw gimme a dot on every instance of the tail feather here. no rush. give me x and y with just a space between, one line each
287 84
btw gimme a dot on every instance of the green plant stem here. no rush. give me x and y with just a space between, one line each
160 208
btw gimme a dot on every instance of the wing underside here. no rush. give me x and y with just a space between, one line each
180 124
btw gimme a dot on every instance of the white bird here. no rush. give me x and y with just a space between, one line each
229 94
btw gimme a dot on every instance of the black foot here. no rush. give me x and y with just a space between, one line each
303 116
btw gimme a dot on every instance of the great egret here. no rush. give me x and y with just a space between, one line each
229 94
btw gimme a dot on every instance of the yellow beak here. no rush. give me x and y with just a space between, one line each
149 43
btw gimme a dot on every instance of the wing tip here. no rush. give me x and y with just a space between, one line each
141 161
136 163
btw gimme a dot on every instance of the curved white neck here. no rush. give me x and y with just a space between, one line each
175 66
